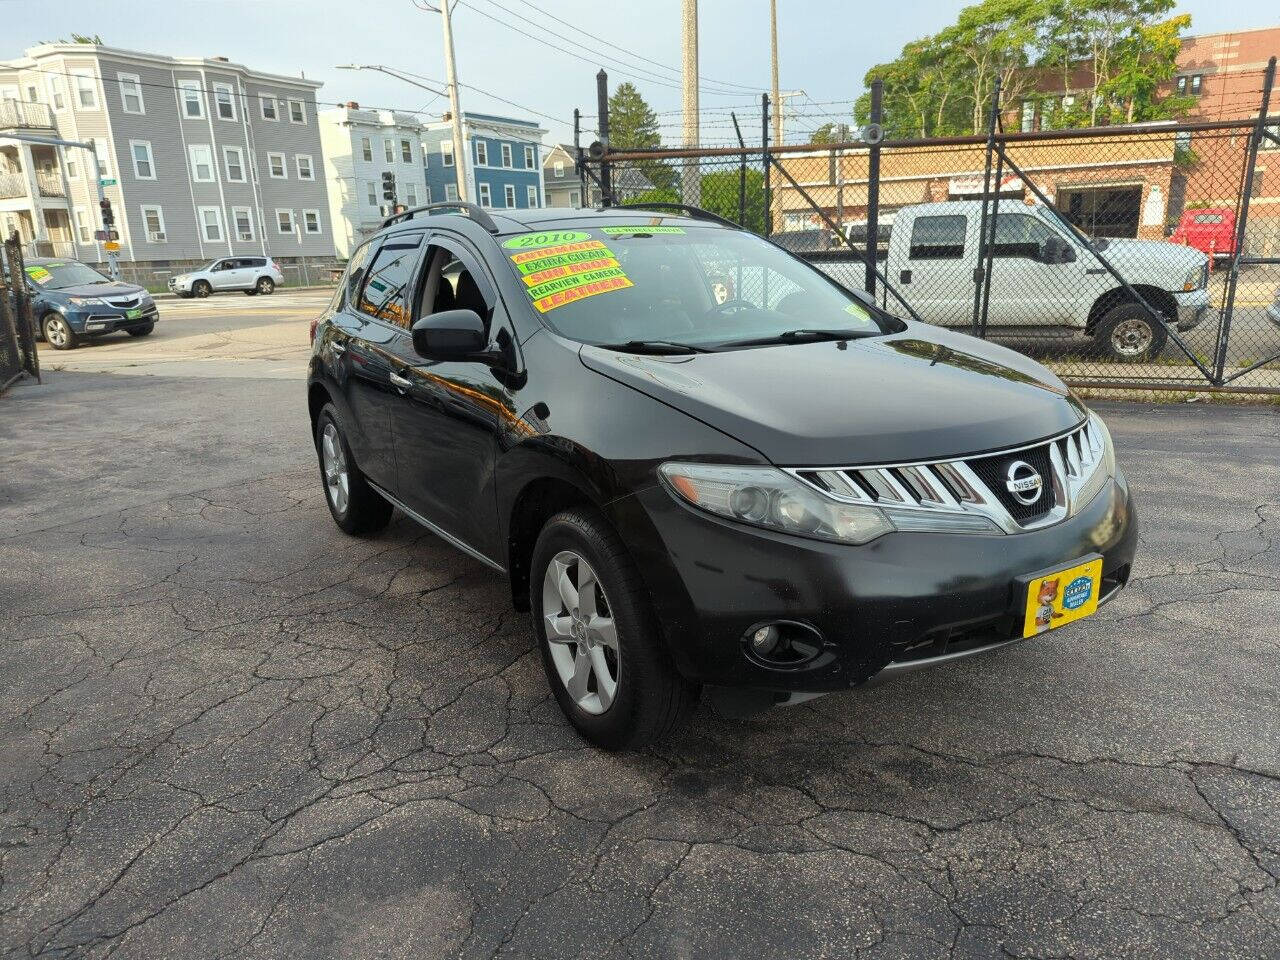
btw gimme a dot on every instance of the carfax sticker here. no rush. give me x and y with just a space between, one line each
545 238
573 294
641 228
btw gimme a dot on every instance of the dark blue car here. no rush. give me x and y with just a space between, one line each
72 300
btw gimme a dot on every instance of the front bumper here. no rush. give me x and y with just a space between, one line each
903 598
179 285
107 319
1273 312
1192 307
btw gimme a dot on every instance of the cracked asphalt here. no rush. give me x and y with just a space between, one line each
227 730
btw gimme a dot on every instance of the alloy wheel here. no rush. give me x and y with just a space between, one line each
1131 338
336 476
581 633
56 331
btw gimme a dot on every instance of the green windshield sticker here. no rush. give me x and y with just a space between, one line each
641 228
574 280
563 260
855 310
547 238
38 274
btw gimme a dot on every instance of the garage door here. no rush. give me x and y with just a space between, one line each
1103 211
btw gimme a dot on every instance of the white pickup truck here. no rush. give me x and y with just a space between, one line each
1043 279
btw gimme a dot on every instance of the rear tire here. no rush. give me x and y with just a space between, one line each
141 331
1129 335
355 506
631 694
266 286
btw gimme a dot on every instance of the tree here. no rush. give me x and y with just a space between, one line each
720 196
832 133
633 125
77 38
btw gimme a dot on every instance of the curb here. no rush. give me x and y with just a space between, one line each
314 286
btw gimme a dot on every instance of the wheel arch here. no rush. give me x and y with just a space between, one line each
317 396
1161 300
540 499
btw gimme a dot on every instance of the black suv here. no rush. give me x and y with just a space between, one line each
701 463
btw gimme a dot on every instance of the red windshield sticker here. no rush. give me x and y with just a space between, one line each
546 252
573 294
568 270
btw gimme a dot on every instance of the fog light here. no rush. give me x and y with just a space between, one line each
764 640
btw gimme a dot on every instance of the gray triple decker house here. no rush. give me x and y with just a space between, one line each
200 158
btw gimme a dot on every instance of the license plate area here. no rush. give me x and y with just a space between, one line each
1055 597
133 314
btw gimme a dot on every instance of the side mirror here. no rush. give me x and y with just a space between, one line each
1056 250
452 335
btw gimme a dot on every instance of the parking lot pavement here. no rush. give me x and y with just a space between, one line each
226 729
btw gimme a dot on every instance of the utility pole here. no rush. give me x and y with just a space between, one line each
689 31
776 97
460 155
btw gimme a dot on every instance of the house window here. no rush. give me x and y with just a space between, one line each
192 99
73 169
575 199
201 162
372 192
86 90
104 159
297 112
389 149
224 102
242 219
233 158
1267 143
506 155
531 194
82 226
451 191
311 221
509 195
211 224
153 221
482 153
366 149
57 93
1028 115
485 199
268 104
1195 84
558 168
284 221
528 158
426 195
411 194
275 166
32 96
446 152
131 92
305 170
144 167
406 151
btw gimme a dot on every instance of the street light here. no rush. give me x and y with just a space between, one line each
459 153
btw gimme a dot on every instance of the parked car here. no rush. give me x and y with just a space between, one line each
1211 230
1273 311
71 300
1043 279
786 493
253 275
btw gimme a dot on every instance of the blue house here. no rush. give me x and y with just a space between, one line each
504 167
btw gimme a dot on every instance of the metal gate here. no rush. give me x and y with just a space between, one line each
17 325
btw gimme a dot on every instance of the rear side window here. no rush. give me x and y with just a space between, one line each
385 294
938 238
355 272
254 262
1208 218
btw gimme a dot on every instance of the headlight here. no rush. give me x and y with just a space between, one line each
1192 281
767 497
85 301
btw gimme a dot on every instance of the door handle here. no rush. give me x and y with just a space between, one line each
401 383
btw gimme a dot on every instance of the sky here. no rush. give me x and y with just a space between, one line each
825 49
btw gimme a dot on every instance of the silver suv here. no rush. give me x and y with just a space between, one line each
250 274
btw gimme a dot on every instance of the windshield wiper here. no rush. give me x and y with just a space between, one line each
660 347
801 335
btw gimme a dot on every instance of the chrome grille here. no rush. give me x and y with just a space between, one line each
1067 465
129 301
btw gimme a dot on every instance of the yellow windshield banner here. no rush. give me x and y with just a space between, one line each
545 252
578 280
573 294
563 259
569 269
38 274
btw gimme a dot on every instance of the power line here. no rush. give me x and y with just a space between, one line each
494 96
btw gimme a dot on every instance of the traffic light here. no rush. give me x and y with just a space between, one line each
388 185
108 216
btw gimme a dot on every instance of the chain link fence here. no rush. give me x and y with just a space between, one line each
17 325
1142 257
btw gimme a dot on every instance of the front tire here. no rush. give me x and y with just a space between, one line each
355 506
201 289
58 333
602 649
1128 334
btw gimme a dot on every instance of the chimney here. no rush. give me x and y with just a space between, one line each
353 105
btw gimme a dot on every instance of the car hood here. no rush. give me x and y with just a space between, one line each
922 394
98 290
1153 255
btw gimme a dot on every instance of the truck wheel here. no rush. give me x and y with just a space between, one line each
1128 334
356 507
601 647
58 333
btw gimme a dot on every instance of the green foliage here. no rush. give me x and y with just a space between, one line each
720 196
1085 62
77 38
664 195
833 133
633 125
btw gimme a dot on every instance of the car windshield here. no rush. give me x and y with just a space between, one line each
63 274
653 286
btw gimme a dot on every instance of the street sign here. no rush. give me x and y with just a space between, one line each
111 246
107 181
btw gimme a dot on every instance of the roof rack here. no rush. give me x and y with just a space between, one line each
696 213
474 211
